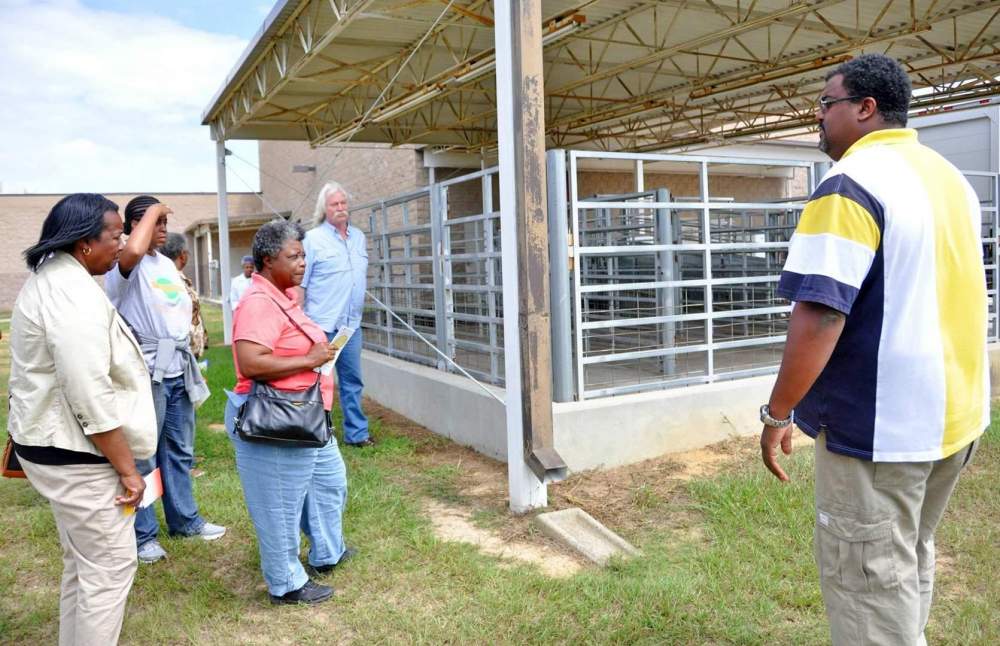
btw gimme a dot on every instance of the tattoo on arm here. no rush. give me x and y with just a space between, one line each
831 317
823 316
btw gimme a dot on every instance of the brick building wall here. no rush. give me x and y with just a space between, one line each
741 189
21 218
465 198
368 172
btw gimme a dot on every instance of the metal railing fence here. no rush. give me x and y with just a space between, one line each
987 187
663 290
671 291
434 259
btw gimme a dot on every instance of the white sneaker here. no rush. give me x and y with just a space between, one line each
151 552
210 532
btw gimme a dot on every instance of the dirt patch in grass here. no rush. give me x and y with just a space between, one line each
649 495
624 497
255 626
453 523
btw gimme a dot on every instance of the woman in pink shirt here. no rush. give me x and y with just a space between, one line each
286 487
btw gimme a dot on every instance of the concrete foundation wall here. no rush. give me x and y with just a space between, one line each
613 431
447 404
594 434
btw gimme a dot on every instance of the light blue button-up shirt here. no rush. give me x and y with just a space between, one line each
336 275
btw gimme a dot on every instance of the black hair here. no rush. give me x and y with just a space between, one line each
271 237
175 244
883 79
76 217
136 208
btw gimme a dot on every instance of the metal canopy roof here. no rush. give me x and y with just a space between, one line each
619 74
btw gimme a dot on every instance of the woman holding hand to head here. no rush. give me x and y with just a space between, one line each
81 411
147 289
286 487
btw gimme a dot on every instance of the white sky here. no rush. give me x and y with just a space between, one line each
100 100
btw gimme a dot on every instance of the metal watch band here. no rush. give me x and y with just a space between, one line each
767 420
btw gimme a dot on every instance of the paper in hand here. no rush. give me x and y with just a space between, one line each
154 490
344 335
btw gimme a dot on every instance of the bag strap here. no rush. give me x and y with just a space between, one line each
289 316
296 324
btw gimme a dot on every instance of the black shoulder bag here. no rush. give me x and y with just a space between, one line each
290 418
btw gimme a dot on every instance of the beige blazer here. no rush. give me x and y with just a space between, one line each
75 367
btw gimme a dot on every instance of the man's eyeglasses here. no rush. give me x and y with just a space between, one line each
825 102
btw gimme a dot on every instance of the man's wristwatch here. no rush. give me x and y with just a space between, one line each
765 417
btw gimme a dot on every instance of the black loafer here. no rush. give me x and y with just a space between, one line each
330 567
310 593
362 444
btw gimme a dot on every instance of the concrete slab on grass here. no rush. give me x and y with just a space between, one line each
580 531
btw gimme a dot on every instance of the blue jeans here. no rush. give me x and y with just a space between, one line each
349 388
175 457
287 489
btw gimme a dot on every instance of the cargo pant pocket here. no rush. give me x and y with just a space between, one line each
855 554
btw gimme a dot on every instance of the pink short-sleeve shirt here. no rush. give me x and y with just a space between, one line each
261 318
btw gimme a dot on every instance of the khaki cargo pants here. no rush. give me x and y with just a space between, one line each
874 542
98 545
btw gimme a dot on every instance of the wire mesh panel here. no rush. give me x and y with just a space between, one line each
434 260
675 290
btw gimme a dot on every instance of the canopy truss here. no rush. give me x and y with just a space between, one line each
619 74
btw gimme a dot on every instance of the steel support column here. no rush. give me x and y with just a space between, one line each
438 270
561 294
667 298
212 264
531 458
220 173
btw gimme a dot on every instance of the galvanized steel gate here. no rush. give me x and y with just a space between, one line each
649 290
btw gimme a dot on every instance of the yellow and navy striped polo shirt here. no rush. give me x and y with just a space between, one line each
891 238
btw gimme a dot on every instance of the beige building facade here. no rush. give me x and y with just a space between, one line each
21 218
292 173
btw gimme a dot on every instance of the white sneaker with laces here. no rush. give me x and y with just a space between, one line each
210 532
151 552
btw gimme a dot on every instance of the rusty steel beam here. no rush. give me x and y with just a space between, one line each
532 242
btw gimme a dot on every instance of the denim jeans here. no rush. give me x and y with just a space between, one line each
175 457
287 489
349 387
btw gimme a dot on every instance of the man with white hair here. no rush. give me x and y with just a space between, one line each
334 284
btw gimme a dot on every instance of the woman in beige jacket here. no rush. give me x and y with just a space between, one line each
81 411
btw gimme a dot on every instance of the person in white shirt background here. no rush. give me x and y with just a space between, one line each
239 283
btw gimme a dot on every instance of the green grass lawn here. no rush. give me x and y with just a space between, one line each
726 558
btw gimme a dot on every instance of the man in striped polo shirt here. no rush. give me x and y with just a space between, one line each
885 363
